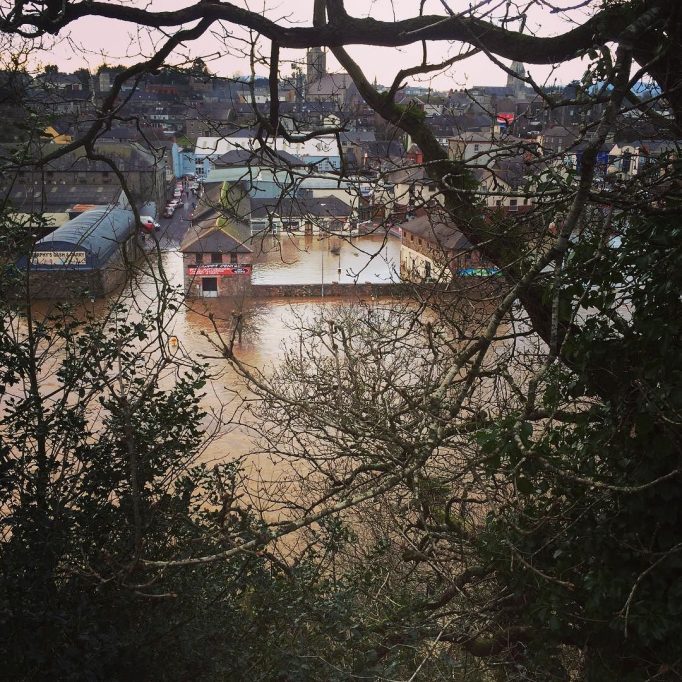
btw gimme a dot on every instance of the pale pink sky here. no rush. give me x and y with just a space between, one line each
93 41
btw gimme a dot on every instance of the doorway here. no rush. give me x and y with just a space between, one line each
209 287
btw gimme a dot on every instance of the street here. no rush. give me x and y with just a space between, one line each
173 229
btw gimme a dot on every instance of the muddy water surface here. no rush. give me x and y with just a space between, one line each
199 323
312 259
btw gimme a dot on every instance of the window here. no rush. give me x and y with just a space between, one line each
198 258
233 258
476 147
513 205
216 258
209 287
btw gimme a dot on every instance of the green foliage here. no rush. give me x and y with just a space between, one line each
84 402
411 114
599 511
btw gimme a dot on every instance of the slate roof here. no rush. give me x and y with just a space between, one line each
244 157
121 133
408 174
128 157
511 171
207 207
570 132
383 148
322 107
318 207
432 228
497 90
58 79
214 213
330 84
358 136
211 238
60 197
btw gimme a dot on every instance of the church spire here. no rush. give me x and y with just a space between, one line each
513 82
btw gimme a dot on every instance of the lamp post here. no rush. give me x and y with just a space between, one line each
322 264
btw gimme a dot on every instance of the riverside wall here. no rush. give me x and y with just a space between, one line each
331 290
471 287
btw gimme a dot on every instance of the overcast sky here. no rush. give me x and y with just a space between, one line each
92 41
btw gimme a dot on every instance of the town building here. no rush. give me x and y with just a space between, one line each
320 153
316 64
628 159
433 249
556 138
313 215
87 256
515 78
73 178
290 184
216 256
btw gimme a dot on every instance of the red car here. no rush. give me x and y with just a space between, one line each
149 224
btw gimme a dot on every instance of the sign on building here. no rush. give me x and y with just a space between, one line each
59 258
219 270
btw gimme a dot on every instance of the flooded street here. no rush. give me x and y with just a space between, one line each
268 322
268 327
197 325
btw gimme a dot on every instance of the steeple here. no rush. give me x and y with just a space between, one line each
513 81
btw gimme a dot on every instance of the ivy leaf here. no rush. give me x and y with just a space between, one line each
524 485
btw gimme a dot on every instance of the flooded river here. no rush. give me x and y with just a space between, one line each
269 326
197 325
297 260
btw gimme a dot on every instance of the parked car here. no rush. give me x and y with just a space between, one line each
149 224
168 211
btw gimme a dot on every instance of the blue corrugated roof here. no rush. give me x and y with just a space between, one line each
99 233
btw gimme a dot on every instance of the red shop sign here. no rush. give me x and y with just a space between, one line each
219 269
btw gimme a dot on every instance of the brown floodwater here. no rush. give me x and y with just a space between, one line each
313 259
201 323
198 325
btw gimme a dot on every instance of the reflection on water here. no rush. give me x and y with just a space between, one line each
278 259
199 323
267 327
289 259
